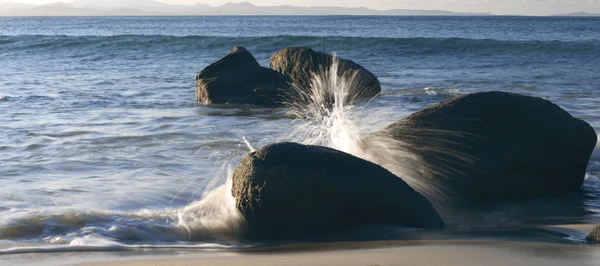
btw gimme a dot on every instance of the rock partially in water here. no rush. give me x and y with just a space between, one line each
238 78
496 146
593 236
294 191
300 63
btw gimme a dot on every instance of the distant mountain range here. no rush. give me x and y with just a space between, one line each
579 14
152 8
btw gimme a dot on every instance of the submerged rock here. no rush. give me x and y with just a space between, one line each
497 146
300 63
238 78
594 235
291 191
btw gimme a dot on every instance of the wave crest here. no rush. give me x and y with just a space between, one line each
424 46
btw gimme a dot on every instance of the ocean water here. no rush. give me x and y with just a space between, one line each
102 144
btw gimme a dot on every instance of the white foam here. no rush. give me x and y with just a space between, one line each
430 91
252 149
112 247
341 125
324 111
213 217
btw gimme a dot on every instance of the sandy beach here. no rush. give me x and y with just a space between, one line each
389 253
502 249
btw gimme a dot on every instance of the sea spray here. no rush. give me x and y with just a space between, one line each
326 115
252 149
325 110
214 217
329 114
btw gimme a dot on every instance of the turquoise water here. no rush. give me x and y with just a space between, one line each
101 140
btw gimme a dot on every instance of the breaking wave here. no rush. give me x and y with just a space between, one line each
82 45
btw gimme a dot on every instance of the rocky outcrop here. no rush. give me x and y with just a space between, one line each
496 146
238 78
593 236
300 63
293 191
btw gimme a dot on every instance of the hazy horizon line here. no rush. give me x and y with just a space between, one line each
231 9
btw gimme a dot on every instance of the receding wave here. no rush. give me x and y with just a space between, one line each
109 246
269 43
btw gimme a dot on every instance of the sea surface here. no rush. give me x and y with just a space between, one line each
102 144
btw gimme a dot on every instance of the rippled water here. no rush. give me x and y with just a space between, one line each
101 140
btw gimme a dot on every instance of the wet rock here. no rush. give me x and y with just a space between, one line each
594 235
294 191
299 63
496 146
238 78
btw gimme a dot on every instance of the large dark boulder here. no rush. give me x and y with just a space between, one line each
495 146
238 78
291 191
300 63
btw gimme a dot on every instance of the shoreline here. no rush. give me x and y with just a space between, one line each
414 253
507 250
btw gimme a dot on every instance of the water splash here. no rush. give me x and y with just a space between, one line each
430 91
213 217
252 149
325 110
329 114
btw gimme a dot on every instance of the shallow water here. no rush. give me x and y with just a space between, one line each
102 143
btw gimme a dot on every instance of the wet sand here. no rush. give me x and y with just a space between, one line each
389 253
448 251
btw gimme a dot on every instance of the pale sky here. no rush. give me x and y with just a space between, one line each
532 7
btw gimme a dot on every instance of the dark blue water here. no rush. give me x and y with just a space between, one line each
101 140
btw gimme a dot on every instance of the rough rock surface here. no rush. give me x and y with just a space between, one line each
300 63
238 78
495 146
594 235
294 191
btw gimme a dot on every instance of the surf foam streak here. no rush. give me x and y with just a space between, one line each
111 247
213 219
